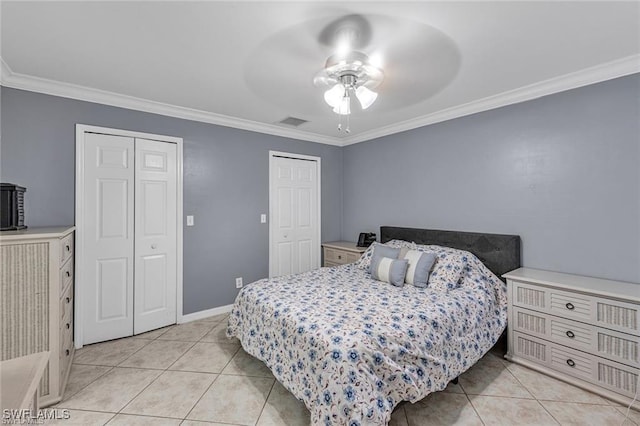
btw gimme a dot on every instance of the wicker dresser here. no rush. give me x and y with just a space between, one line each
585 331
36 293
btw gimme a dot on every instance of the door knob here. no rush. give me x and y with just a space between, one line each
154 246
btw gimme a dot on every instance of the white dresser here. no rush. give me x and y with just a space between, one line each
36 297
585 331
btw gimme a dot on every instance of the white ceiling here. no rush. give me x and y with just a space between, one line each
251 64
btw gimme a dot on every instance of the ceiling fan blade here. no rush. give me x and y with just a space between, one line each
354 29
323 79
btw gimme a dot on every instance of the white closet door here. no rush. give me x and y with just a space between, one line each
155 235
108 237
294 217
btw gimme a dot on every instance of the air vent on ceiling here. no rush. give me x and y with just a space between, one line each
293 121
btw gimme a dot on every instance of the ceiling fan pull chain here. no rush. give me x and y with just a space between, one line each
348 129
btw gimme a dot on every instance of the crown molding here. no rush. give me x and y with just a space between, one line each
610 70
599 73
5 71
82 93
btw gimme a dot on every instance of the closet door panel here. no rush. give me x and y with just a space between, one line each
155 234
108 237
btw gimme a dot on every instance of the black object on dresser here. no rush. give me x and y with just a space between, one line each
11 207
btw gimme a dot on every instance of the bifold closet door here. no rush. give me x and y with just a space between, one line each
108 237
129 236
155 235
294 219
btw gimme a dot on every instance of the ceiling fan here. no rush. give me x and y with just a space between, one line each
348 73
347 63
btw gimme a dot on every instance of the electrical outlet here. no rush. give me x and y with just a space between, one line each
239 282
263 218
189 220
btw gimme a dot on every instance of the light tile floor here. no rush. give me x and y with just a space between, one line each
191 374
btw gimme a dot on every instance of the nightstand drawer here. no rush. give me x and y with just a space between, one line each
340 253
339 256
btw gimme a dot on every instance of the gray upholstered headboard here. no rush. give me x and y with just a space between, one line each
500 253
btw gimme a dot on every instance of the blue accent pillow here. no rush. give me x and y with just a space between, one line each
380 250
420 264
389 270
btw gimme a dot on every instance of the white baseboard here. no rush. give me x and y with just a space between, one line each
205 314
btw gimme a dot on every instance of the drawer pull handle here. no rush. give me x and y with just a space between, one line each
339 257
571 363
68 299
570 306
67 247
570 334
66 352
67 273
68 326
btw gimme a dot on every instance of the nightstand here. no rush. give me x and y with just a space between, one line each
340 253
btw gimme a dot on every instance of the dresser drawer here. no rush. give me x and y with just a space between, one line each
66 303
603 312
66 275
66 355
66 248
617 315
66 336
608 374
609 344
570 305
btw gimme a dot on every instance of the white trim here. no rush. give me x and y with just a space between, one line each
585 77
5 71
318 160
602 72
88 94
206 313
81 130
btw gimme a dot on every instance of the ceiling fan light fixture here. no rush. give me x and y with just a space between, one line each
344 106
347 74
366 96
334 95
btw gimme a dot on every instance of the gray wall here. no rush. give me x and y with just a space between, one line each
562 171
225 183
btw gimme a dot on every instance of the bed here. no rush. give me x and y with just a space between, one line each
351 348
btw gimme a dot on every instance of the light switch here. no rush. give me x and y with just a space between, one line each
189 220
263 218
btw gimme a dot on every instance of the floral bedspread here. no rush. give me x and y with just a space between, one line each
351 348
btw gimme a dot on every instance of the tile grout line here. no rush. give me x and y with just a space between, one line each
85 386
200 399
214 380
151 382
531 393
475 410
113 367
506 367
265 401
157 377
